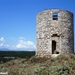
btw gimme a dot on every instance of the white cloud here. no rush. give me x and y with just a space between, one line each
21 38
2 39
1 44
25 45
21 45
4 45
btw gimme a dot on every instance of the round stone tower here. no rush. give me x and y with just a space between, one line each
55 32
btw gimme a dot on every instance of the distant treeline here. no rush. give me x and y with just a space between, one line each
9 55
20 54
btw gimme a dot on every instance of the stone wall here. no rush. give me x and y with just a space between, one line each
60 30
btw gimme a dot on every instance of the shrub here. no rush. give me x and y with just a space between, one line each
36 59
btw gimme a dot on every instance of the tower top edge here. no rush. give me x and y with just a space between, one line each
54 9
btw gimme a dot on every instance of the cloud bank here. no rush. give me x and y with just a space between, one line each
21 45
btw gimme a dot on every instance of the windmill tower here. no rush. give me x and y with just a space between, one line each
55 33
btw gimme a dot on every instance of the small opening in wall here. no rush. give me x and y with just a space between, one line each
57 52
55 16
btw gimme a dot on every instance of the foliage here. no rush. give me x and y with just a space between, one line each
62 65
15 54
35 59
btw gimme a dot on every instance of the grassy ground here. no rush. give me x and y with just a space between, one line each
61 65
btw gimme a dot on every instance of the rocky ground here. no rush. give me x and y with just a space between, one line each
61 65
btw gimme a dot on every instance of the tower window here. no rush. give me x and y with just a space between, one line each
55 16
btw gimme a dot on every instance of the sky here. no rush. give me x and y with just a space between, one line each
18 21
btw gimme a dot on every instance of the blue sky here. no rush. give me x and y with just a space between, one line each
18 21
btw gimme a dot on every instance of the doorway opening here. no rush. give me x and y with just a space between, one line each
54 47
55 44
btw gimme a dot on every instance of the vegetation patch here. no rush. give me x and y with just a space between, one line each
64 64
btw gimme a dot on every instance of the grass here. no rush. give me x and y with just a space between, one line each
62 65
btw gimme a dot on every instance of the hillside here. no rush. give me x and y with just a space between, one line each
61 65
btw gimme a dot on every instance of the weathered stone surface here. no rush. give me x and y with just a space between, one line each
49 31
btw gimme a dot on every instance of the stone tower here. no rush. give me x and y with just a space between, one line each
55 32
